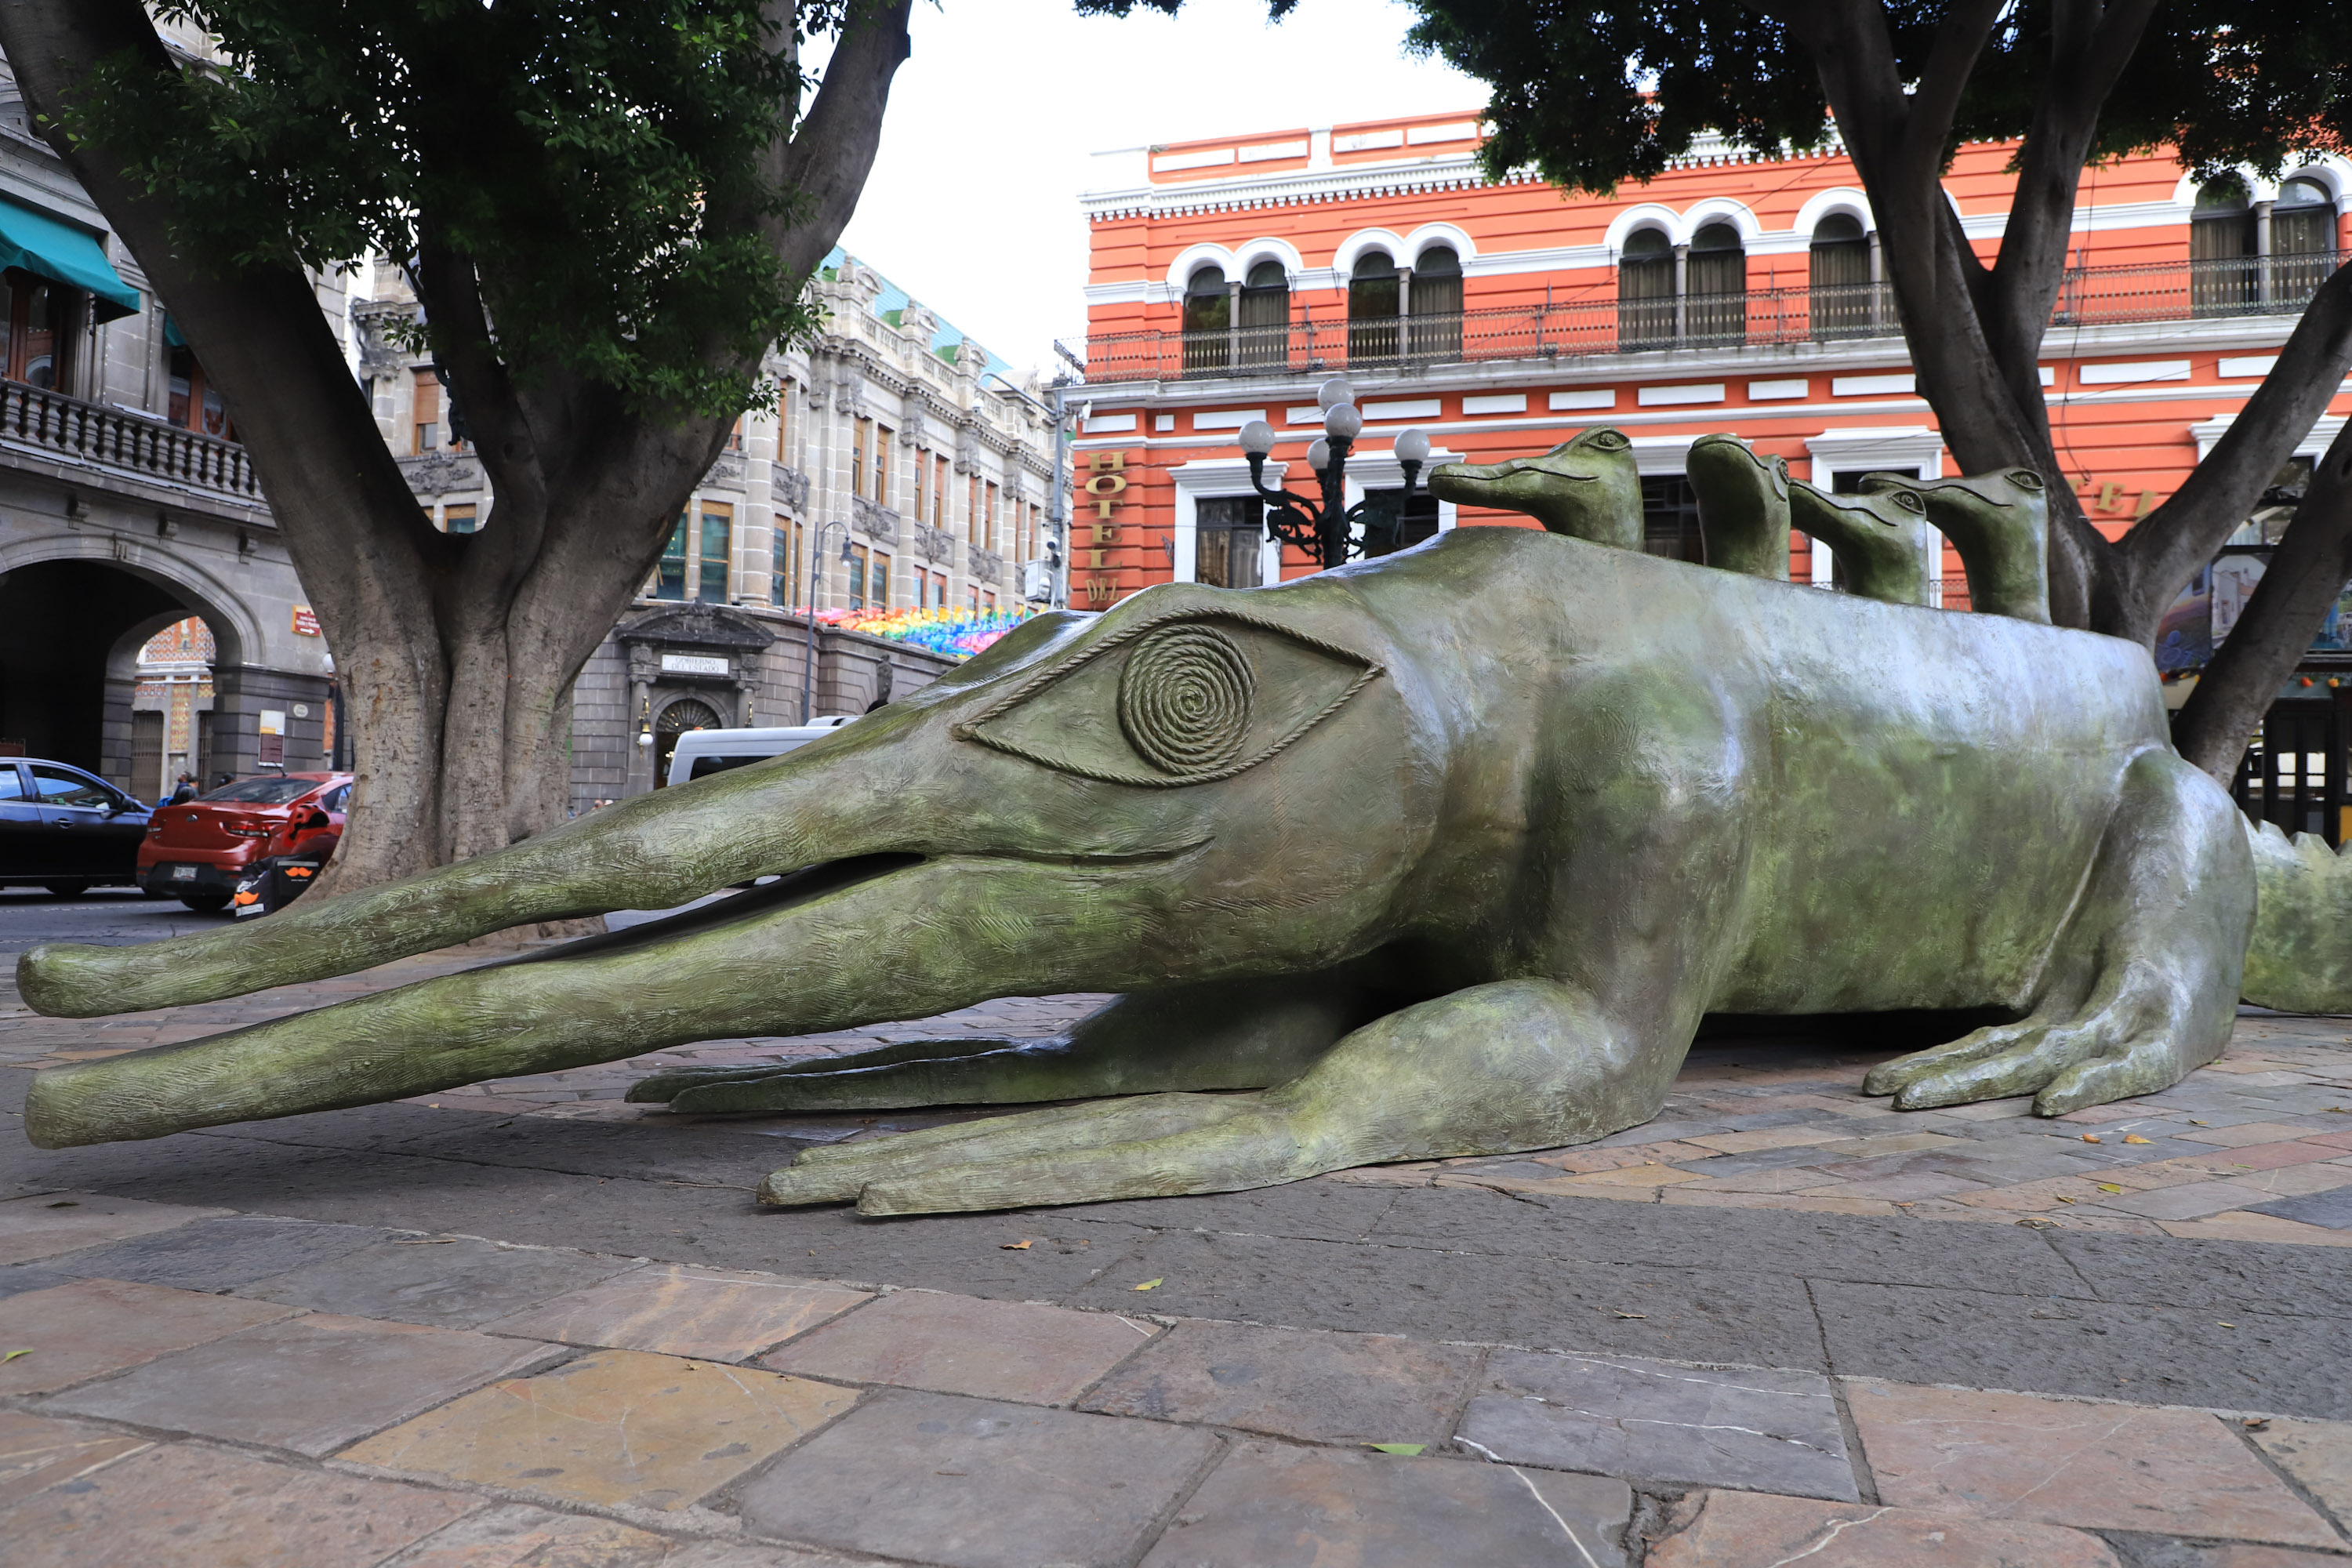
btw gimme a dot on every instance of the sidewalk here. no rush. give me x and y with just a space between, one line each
529 1324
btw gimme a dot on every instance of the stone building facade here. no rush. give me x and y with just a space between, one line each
126 508
898 470
1233 276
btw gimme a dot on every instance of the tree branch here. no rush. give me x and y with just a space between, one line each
1959 41
832 150
2172 541
2310 568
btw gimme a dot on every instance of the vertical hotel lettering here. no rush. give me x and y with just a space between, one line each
1105 480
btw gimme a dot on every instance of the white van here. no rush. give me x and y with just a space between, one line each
701 753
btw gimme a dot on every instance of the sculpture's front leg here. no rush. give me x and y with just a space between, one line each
1491 1069
2143 986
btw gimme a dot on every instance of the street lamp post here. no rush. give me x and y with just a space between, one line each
1320 526
808 670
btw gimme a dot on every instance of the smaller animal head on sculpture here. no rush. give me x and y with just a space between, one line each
1587 488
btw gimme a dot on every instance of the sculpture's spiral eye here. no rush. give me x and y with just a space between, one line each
1607 440
1909 501
1179 699
1184 697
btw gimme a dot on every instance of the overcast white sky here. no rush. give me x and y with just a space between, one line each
972 207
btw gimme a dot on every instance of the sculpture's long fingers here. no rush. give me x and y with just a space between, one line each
2030 1066
1894 1077
839 1173
826 802
959 932
1020 1074
1248 1146
1234 1034
663 1087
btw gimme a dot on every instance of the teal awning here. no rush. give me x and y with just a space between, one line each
173 336
63 254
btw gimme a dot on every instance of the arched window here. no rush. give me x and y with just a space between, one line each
2303 241
1372 308
1436 306
2221 250
1645 291
1266 315
1208 320
1716 310
1842 299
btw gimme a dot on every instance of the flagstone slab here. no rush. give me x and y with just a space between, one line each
445 1282
94 1326
2194 1200
17 1279
1668 1421
1747 1529
37 1452
972 1483
312 1383
679 1310
48 1223
962 1344
2219 1357
618 1427
220 1254
2331 1209
516 1535
2318 1455
1293 1382
188 1506
2245 1133
2056 1461
2285 1280
1271 1507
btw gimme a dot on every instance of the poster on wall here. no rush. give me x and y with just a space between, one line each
2335 632
2202 617
2234 575
2184 639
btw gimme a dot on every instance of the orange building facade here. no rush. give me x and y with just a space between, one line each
1231 277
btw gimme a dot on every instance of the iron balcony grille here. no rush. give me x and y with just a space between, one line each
1308 342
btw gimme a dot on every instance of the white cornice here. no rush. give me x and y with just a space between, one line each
1442 172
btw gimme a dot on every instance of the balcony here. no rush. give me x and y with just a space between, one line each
95 436
1306 345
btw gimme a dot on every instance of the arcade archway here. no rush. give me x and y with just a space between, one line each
70 634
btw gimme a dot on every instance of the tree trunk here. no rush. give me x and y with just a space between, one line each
1975 335
2310 568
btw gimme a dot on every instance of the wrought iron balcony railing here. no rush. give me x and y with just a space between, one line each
133 444
1307 343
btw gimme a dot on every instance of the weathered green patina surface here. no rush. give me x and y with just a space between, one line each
1443 854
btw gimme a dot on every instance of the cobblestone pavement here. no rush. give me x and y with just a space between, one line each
527 1324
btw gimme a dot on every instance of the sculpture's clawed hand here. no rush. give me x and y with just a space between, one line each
2145 978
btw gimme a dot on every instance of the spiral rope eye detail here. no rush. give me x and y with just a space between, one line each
1184 699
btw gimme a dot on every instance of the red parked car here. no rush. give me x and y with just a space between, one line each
197 852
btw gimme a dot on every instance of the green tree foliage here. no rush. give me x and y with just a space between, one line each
599 163
1593 95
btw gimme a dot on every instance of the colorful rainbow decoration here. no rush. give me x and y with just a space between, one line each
958 634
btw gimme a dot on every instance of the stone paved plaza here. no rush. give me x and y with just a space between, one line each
529 1325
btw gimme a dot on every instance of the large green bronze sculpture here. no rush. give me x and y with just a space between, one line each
1446 853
